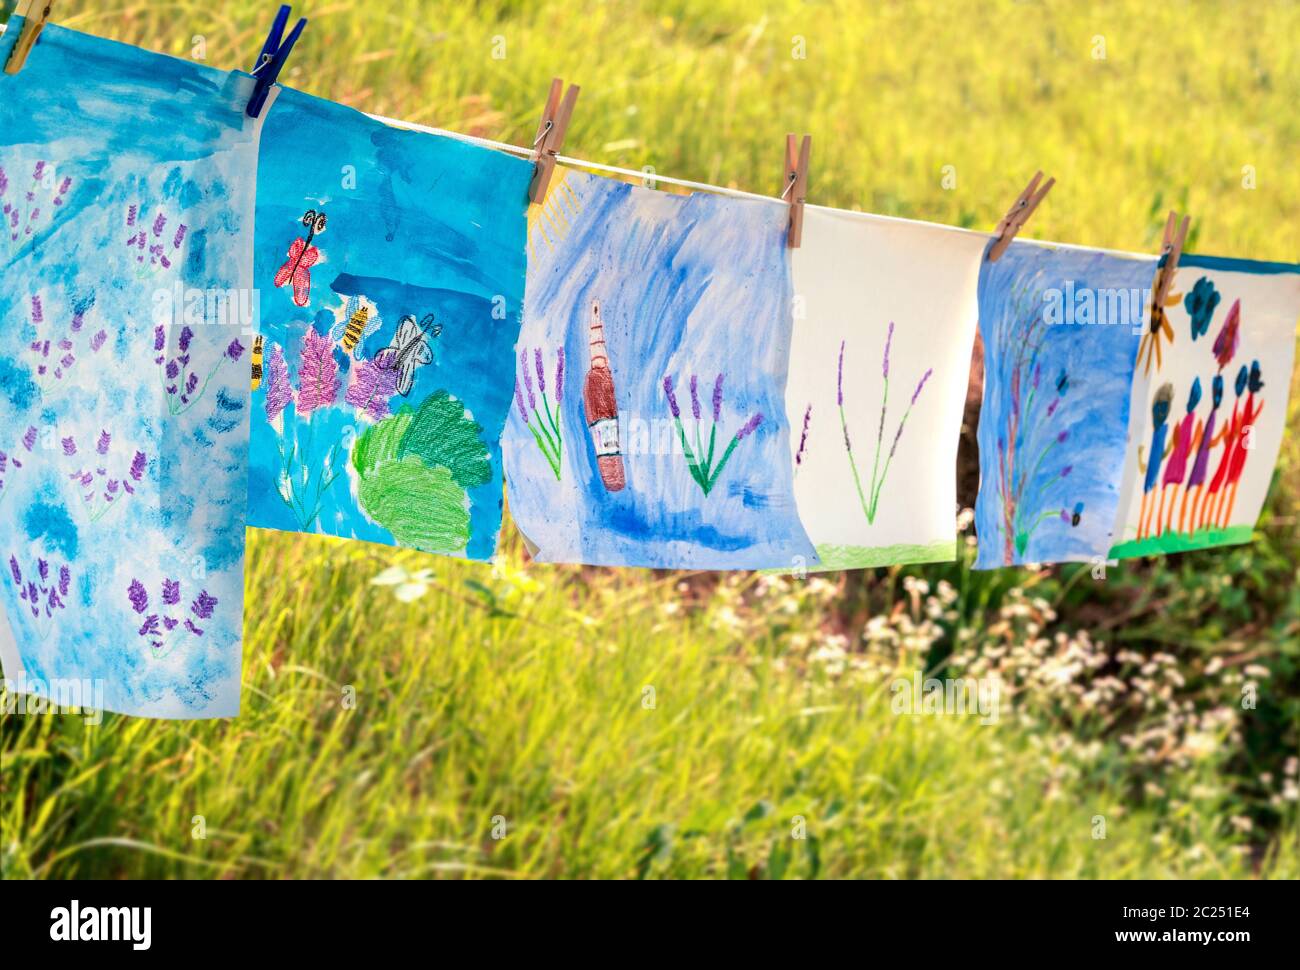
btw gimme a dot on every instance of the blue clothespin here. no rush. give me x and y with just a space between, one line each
274 53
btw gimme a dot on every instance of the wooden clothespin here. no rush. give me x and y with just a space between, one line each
1171 250
1019 214
796 185
36 16
550 137
274 53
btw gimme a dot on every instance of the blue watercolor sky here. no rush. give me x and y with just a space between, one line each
170 138
417 224
688 285
1095 363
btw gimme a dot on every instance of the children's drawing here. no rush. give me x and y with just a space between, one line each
1199 464
879 303
29 205
296 270
870 499
600 404
545 424
57 346
699 461
1059 356
151 244
672 450
123 417
386 370
358 322
409 350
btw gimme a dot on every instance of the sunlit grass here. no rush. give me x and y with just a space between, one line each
610 729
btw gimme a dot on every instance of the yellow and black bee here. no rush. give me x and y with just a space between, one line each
359 321
257 362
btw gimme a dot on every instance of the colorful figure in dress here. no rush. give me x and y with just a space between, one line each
1213 497
1182 441
1245 441
302 257
1159 431
1201 466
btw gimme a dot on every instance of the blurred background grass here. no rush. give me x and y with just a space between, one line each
624 723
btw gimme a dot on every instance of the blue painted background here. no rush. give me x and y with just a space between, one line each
123 127
417 224
696 284
1098 362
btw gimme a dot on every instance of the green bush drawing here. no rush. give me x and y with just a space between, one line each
414 471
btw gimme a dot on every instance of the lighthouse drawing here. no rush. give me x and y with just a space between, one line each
601 406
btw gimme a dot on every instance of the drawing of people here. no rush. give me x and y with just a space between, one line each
1176 467
1201 466
1245 442
1231 432
1159 430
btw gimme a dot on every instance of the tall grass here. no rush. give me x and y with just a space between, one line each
567 722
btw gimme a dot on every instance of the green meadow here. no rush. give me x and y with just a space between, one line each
412 716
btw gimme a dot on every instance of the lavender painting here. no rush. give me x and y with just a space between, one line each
123 409
664 443
878 375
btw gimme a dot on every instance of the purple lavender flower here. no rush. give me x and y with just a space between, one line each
105 439
159 338
65 580
559 372
1066 470
695 397
528 380
139 598
159 224
748 427
519 400
69 447
203 606
43 570
672 400
717 400
17 573
235 350
173 370
97 341
29 439
889 339
924 377
179 238
171 591
1060 438
186 336
131 212
38 312
138 465
839 379
803 438
541 371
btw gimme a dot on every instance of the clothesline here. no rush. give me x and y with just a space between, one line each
721 189
526 152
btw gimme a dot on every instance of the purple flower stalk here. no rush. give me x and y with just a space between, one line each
672 398
546 430
700 459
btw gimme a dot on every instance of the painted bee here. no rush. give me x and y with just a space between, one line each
257 362
358 322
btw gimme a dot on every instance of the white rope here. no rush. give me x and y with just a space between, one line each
724 190
715 189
